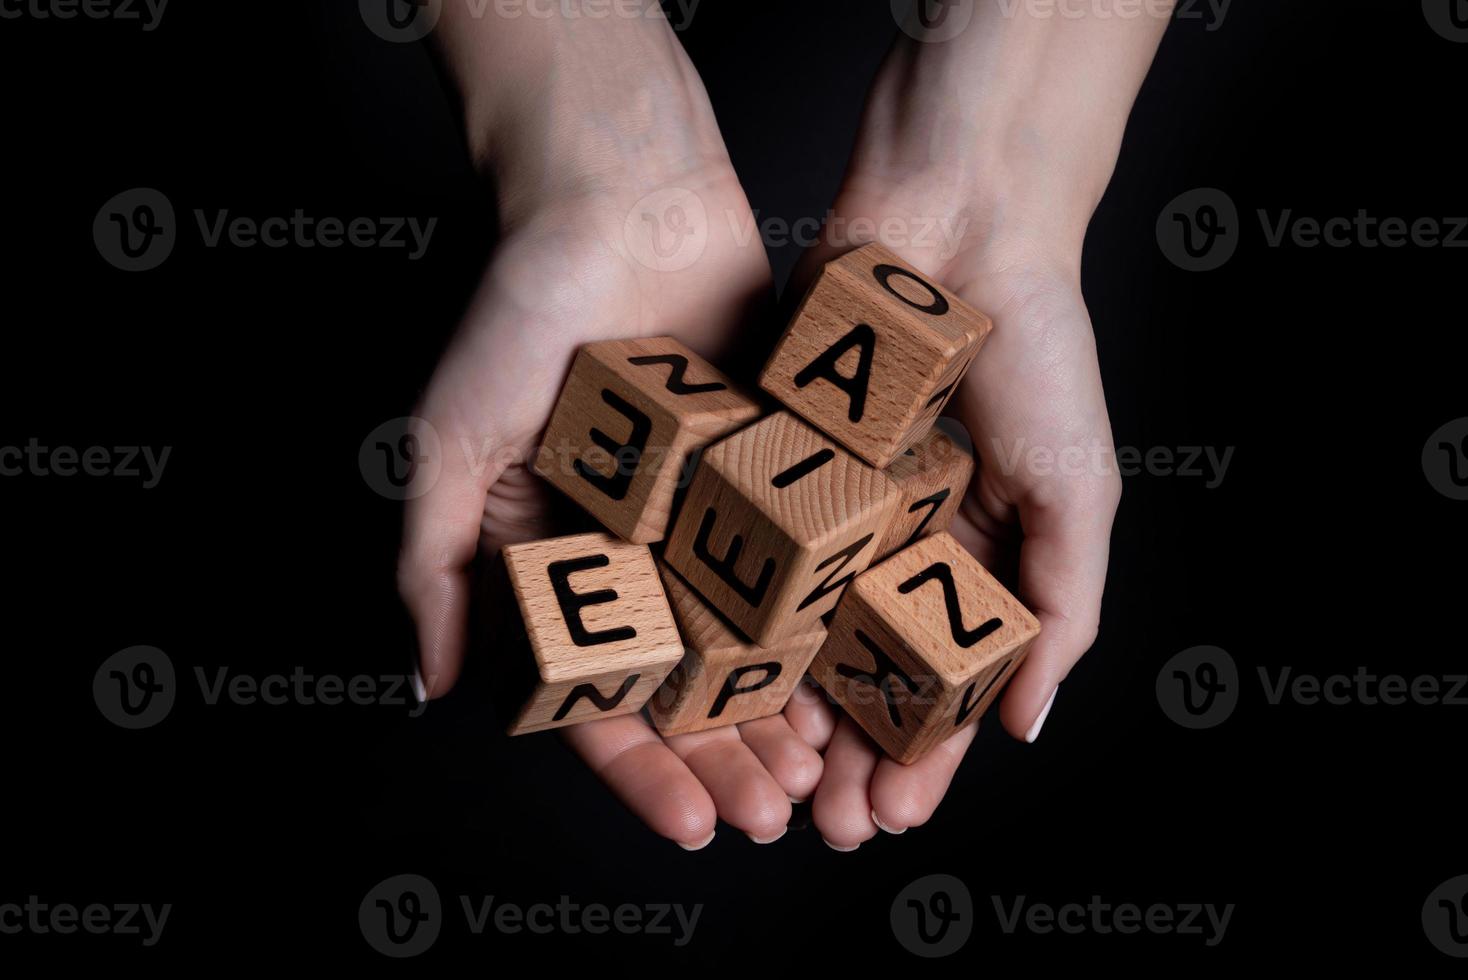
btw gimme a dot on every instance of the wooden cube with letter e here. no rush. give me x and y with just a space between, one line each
629 421
874 354
921 645
725 679
600 630
776 523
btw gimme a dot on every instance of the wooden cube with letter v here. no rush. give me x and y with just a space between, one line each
921 645
874 354
725 679
777 521
627 425
600 630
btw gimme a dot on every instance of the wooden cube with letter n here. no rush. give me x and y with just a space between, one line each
921 645
629 419
777 521
600 629
874 353
725 679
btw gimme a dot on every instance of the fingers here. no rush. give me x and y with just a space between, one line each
906 796
787 756
647 777
744 793
440 535
842 810
1061 578
810 714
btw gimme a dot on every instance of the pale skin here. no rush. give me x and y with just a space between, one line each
1008 132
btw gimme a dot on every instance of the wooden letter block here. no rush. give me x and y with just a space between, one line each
724 679
599 625
921 645
874 353
777 521
630 418
933 476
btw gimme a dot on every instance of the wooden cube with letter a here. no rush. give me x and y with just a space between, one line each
933 476
600 629
776 523
874 353
921 645
725 679
629 419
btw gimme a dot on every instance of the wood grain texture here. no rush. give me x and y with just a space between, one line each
916 339
933 476
628 420
778 519
723 678
922 645
595 614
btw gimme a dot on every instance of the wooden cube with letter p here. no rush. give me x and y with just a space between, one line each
777 521
874 353
629 418
921 645
600 629
725 679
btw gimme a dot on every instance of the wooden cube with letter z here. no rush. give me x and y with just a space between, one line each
629 418
599 627
933 476
725 679
777 521
921 645
874 353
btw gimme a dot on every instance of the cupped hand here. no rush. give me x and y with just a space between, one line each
622 218
1046 488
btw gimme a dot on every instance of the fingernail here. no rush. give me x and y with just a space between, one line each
767 840
699 846
1034 731
884 827
419 691
794 800
843 850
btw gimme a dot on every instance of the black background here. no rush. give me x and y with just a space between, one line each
263 550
